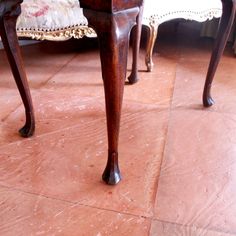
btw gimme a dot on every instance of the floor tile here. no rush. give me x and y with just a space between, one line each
168 229
154 87
41 61
10 100
54 110
176 158
77 75
190 78
26 214
68 164
196 184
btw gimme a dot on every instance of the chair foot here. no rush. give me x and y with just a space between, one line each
111 174
133 78
28 129
148 60
208 101
149 65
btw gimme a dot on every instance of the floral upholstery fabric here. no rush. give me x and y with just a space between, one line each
50 14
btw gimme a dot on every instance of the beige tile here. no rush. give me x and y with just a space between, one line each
83 74
68 164
65 159
10 100
41 61
197 179
154 87
190 78
27 214
168 229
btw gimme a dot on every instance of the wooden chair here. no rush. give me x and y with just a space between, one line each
112 21
157 12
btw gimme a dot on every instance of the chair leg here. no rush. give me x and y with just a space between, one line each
10 42
226 22
113 33
133 78
150 45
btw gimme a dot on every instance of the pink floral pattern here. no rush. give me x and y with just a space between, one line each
50 14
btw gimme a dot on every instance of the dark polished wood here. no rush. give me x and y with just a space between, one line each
226 22
133 77
112 21
110 6
9 11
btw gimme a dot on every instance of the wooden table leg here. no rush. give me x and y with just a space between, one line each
225 26
113 33
9 11
133 78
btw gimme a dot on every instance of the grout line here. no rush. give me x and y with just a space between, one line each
40 87
163 152
162 109
60 69
74 203
164 146
12 111
47 134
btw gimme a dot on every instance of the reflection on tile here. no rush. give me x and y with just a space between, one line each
197 179
168 229
26 214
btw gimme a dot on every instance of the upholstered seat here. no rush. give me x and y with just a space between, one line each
156 12
53 20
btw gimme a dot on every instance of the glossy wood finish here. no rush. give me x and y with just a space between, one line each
110 6
133 77
227 19
9 11
112 21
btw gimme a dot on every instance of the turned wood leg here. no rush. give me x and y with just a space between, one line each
153 28
226 22
113 33
10 42
133 78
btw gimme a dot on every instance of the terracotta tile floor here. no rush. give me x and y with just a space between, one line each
177 158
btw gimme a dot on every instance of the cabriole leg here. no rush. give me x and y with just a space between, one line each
150 45
10 42
133 78
226 22
113 33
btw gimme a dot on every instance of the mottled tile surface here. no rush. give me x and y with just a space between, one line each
196 184
26 214
159 228
79 154
177 158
